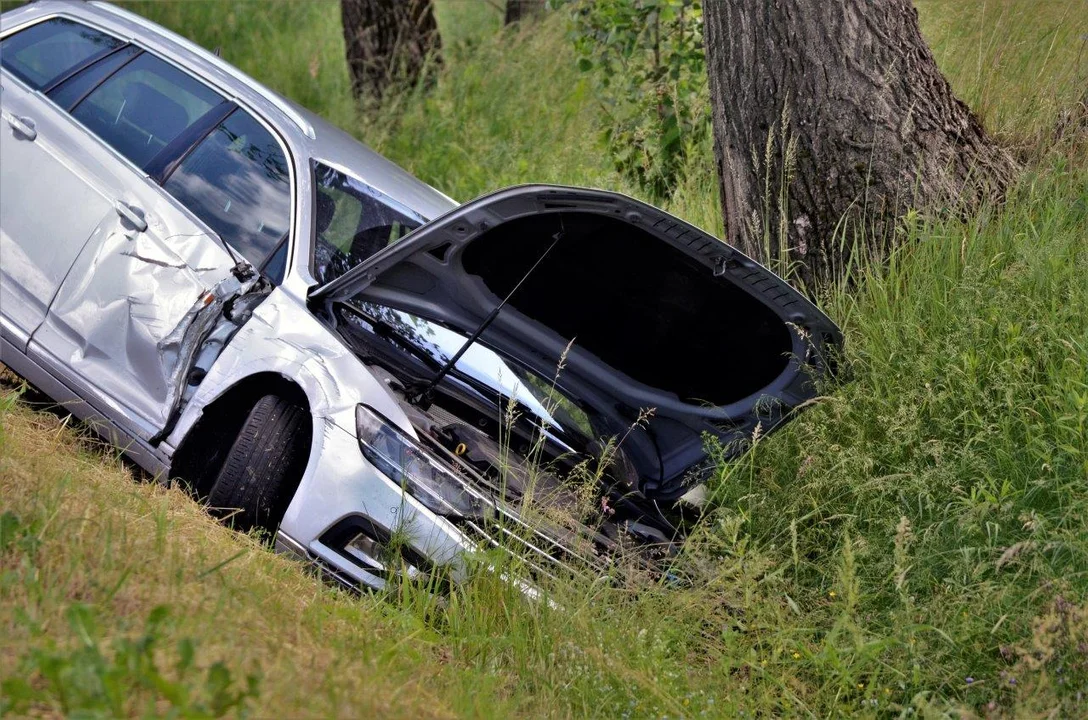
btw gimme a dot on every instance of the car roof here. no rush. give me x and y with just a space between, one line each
306 132
338 148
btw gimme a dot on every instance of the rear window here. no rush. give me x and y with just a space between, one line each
236 180
144 106
45 52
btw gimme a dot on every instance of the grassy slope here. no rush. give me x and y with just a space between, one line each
921 526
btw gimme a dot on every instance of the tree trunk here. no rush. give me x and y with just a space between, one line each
518 10
388 41
831 119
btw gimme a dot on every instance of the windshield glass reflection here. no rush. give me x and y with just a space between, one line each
540 398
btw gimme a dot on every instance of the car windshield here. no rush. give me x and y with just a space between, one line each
352 222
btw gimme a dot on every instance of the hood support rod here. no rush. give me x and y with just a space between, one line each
424 395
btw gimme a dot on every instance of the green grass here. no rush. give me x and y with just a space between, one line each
1018 65
914 543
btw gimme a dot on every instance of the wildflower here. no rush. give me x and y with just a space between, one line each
861 686
797 656
969 679
887 691
757 432
831 594
1012 681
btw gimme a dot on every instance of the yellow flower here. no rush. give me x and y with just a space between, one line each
861 686
831 594
797 656
887 691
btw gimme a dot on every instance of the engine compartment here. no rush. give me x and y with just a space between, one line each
540 461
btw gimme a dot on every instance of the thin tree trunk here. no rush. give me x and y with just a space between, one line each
388 41
518 10
831 110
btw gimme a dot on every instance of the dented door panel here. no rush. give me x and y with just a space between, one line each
123 320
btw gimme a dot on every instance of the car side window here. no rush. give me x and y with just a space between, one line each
143 106
75 87
352 222
47 51
237 181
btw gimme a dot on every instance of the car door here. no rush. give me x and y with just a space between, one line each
49 201
127 318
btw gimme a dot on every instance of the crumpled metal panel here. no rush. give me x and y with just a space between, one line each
283 337
125 320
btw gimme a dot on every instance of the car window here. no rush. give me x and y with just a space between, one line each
74 88
236 180
44 52
144 106
352 222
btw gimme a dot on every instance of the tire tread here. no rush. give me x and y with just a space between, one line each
251 487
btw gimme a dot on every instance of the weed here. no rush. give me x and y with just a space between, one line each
82 678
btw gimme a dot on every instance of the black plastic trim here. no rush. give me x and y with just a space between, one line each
163 165
344 531
73 71
282 245
81 98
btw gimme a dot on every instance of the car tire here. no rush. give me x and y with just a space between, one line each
265 461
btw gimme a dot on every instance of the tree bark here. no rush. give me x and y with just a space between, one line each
388 41
831 119
518 10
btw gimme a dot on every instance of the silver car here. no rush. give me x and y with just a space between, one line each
216 281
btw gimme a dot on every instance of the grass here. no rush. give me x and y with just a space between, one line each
913 544
1019 66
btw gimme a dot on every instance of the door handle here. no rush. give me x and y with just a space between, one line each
133 215
23 126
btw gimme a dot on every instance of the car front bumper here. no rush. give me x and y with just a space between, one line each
342 497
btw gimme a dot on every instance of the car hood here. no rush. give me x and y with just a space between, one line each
664 333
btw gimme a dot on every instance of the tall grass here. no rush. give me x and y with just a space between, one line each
913 544
1018 65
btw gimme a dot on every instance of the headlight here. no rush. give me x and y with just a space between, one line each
412 467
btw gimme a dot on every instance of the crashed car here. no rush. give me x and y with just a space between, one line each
243 298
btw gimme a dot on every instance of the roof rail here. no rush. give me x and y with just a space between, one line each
281 104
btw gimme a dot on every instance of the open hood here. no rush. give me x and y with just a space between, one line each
659 315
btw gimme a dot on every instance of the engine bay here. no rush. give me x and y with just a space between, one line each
517 437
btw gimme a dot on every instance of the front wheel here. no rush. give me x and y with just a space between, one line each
263 466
